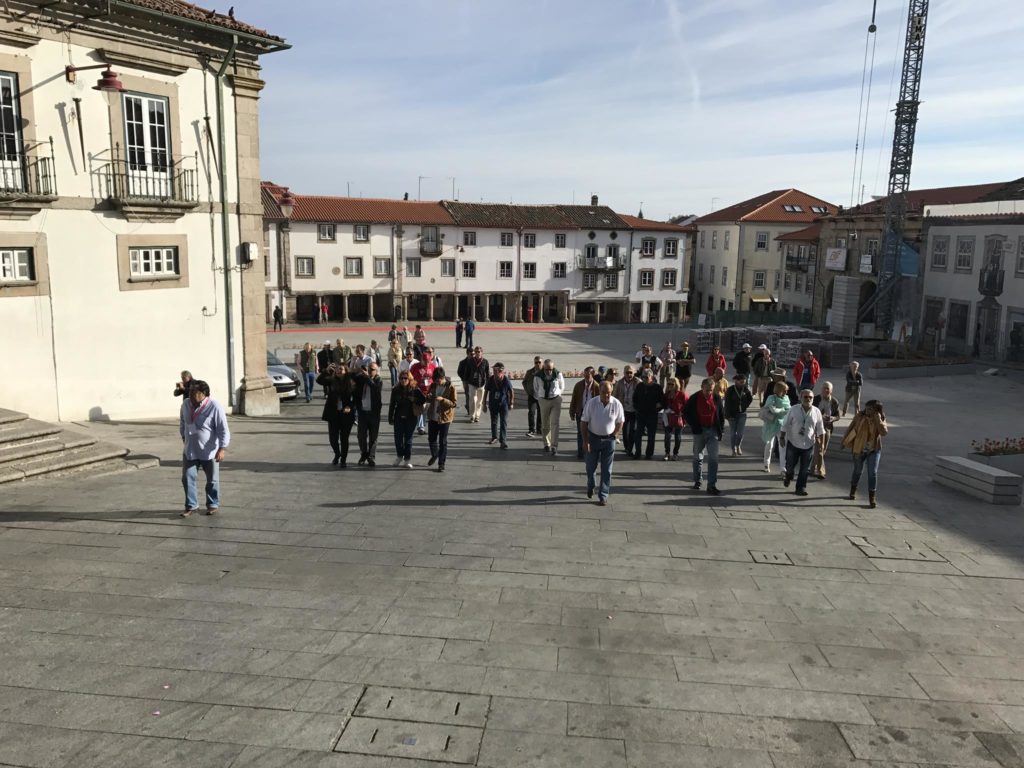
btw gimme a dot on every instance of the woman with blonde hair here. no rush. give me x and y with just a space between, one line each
864 438
672 416
773 413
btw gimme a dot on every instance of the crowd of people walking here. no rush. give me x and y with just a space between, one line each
613 416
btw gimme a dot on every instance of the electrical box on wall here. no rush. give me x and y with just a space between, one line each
250 252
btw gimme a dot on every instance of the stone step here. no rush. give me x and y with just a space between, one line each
61 462
26 431
107 467
976 470
65 441
10 417
951 478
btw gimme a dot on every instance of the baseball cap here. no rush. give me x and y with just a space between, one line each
746 346
762 346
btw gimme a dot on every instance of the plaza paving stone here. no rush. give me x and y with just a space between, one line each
492 616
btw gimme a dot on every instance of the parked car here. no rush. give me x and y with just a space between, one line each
286 380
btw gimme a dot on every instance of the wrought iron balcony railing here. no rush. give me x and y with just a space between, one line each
797 263
29 173
430 247
601 263
163 180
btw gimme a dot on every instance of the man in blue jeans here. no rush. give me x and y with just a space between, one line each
499 399
601 424
803 428
704 416
204 432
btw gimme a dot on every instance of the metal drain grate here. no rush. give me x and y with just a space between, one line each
772 558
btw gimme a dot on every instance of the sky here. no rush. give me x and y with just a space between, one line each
678 106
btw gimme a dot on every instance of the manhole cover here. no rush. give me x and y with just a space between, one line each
423 706
773 558
739 514
422 741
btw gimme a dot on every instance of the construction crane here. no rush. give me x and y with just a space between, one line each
891 301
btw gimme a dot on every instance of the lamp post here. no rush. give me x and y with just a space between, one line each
108 78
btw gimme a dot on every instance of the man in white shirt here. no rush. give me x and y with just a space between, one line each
803 428
548 385
601 424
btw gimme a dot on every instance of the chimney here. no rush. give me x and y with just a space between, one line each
406 196
593 199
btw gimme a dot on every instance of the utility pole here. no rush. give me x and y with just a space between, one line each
452 178
419 186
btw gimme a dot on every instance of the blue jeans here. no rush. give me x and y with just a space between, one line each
189 476
803 456
739 425
602 451
437 436
308 380
499 424
707 439
579 440
394 376
404 430
672 434
872 460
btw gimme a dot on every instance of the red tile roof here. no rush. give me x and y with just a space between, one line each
769 208
635 222
195 13
359 210
507 216
271 210
917 199
807 234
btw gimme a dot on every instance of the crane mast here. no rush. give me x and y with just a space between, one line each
889 299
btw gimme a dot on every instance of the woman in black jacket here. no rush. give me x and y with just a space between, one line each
339 410
403 412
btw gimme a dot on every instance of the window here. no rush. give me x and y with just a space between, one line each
646 278
819 209
382 267
721 304
354 266
711 274
590 252
700 272
789 251
702 239
759 279
558 269
940 252
808 285
762 241
668 278
530 270
725 275
559 240
801 254
505 269
10 132
671 248
469 269
840 242
964 254
589 280
647 246
429 242
793 208
325 232
714 240
611 282
725 241
711 303
153 263
530 240
788 281
731 306
507 238
776 280
413 267
798 282
447 267
148 145
361 233
872 246
18 266
469 238
612 251
304 266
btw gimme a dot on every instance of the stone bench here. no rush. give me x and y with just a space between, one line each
979 480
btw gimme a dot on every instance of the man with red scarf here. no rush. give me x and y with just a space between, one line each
423 374
703 413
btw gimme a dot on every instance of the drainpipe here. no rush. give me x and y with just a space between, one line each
627 281
225 224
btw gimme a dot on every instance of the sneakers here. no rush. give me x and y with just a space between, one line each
734 453
547 449
667 458
786 480
504 446
362 460
696 486
398 461
371 463
440 467
767 468
531 434
801 492
408 465
188 512
713 490
432 461
212 510
739 451
492 441
602 502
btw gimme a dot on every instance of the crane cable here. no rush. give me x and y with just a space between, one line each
867 108
888 104
860 108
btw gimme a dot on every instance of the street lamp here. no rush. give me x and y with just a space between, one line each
108 78
287 204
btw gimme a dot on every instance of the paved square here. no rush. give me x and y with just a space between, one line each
492 616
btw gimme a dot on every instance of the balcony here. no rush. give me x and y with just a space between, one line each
430 247
797 263
27 180
601 263
160 189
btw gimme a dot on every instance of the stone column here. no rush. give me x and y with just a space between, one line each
256 393
597 312
405 309
565 307
430 308
504 307
344 307
517 309
369 316
487 307
542 308
572 313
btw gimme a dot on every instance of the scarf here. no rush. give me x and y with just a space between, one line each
548 380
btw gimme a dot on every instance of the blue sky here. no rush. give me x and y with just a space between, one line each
676 104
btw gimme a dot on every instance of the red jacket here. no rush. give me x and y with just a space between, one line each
715 362
798 371
674 405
